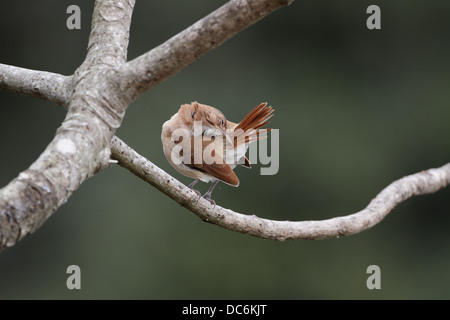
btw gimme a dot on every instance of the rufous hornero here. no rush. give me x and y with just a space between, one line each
199 142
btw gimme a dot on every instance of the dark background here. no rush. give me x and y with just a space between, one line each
356 109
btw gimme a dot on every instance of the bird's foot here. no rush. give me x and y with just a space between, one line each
207 196
198 193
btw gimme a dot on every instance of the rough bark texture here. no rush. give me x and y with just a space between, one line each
97 96
424 182
38 84
80 147
155 66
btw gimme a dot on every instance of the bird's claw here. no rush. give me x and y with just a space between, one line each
207 196
197 193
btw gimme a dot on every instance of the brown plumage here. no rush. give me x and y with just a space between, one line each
200 143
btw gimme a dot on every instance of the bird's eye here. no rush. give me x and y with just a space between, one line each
221 122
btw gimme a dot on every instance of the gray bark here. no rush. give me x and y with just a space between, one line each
420 183
96 97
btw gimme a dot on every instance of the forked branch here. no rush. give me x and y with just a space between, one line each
97 96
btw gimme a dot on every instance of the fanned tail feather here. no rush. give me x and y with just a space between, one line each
255 119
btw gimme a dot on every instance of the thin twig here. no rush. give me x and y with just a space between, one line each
97 96
158 64
424 182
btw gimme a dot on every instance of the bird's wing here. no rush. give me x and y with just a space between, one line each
210 160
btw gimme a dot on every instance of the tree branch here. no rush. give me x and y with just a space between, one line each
110 33
80 147
97 96
155 66
97 100
424 182
39 84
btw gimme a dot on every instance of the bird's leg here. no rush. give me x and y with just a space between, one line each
191 186
207 195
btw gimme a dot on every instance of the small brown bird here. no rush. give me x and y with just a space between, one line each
200 143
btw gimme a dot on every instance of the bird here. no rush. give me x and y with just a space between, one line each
200 143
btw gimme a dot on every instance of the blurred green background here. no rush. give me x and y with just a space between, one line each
356 109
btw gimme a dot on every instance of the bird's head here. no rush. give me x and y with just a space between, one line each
212 120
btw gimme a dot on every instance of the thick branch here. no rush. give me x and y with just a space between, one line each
424 182
155 66
80 147
97 98
110 33
39 84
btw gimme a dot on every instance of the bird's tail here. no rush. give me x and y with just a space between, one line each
248 127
